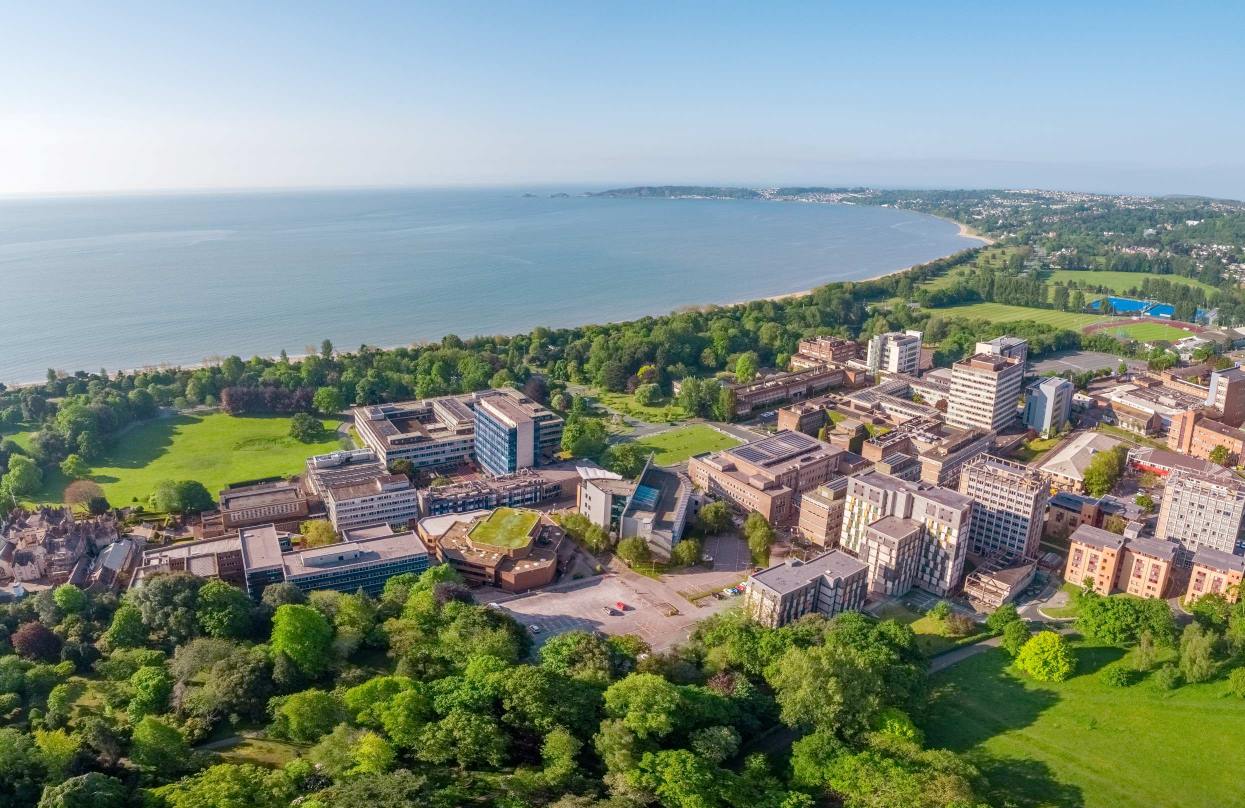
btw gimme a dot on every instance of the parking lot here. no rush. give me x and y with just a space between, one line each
1080 362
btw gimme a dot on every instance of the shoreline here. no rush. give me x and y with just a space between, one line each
965 231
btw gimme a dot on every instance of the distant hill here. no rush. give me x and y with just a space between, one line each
682 192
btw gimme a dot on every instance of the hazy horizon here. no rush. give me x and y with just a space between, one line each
142 97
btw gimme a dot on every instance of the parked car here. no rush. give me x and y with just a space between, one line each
620 606
535 629
608 610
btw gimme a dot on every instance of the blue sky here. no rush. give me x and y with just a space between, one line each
1143 97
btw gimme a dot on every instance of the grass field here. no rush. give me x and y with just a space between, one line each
991 256
214 449
1118 281
1033 449
678 444
1148 332
505 527
1083 744
1002 313
932 636
664 411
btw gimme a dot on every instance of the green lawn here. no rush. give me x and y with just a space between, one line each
506 527
664 411
214 449
678 444
266 752
1083 744
932 636
1071 609
1118 281
1002 313
1035 448
1130 437
991 256
1148 332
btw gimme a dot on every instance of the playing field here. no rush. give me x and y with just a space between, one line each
1002 313
214 449
505 527
1084 744
678 444
1118 281
1147 332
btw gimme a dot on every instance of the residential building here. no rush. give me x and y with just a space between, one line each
1197 435
513 432
1009 347
768 475
432 433
823 350
1093 558
1215 573
895 352
828 584
776 388
51 545
1048 405
281 502
944 515
985 389
1066 511
891 549
1066 468
1227 395
1162 463
821 513
510 548
1146 567
1009 504
1200 510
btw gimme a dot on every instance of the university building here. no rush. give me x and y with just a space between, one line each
1009 505
1111 563
1202 511
831 583
985 389
513 432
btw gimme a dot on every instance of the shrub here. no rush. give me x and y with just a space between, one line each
941 610
1015 635
1116 675
1236 680
1002 617
1046 657
686 552
1167 677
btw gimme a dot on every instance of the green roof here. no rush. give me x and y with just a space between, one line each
505 527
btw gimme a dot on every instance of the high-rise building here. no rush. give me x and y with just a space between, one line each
895 352
944 516
891 549
1227 394
1201 510
1009 504
513 432
1048 404
1010 347
984 391
831 583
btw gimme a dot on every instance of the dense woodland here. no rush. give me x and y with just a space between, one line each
420 697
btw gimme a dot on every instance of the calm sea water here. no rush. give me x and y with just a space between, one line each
121 282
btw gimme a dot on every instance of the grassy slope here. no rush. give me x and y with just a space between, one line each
214 449
1082 743
678 444
1118 281
1001 313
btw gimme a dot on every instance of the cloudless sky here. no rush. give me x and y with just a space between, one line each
1111 96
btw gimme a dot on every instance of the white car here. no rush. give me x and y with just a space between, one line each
535 629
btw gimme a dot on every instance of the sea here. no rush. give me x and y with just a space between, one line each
121 282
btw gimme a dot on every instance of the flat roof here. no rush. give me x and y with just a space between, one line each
254 496
260 546
505 527
345 555
895 529
792 575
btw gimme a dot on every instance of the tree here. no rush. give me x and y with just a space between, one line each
1236 682
168 605
746 367
74 467
1047 657
837 687
21 768
634 550
1104 470
647 395
82 492
1115 523
1001 617
181 496
467 738
157 746
23 478
579 655
760 537
1015 635
228 785
686 552
240 684
715 518
91 790
224 610
304 635
583 436
627 459
1197 646
69 599
1220 455
277 595
646 704
1145 502
36 641
127 629
940 611
150 687
328 400
306 716
305 428
317 533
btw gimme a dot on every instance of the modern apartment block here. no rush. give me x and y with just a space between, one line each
821 513
1111 563
821 350
891 549
1227 395
1194 434
513 432
828 584
431 433
944 516
1215 573
1048 405
1009 347
1202 511
1009 505
256 557
769 474
895 352
985 389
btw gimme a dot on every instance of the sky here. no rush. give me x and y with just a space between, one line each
1130 97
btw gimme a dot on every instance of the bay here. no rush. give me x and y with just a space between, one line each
130 281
